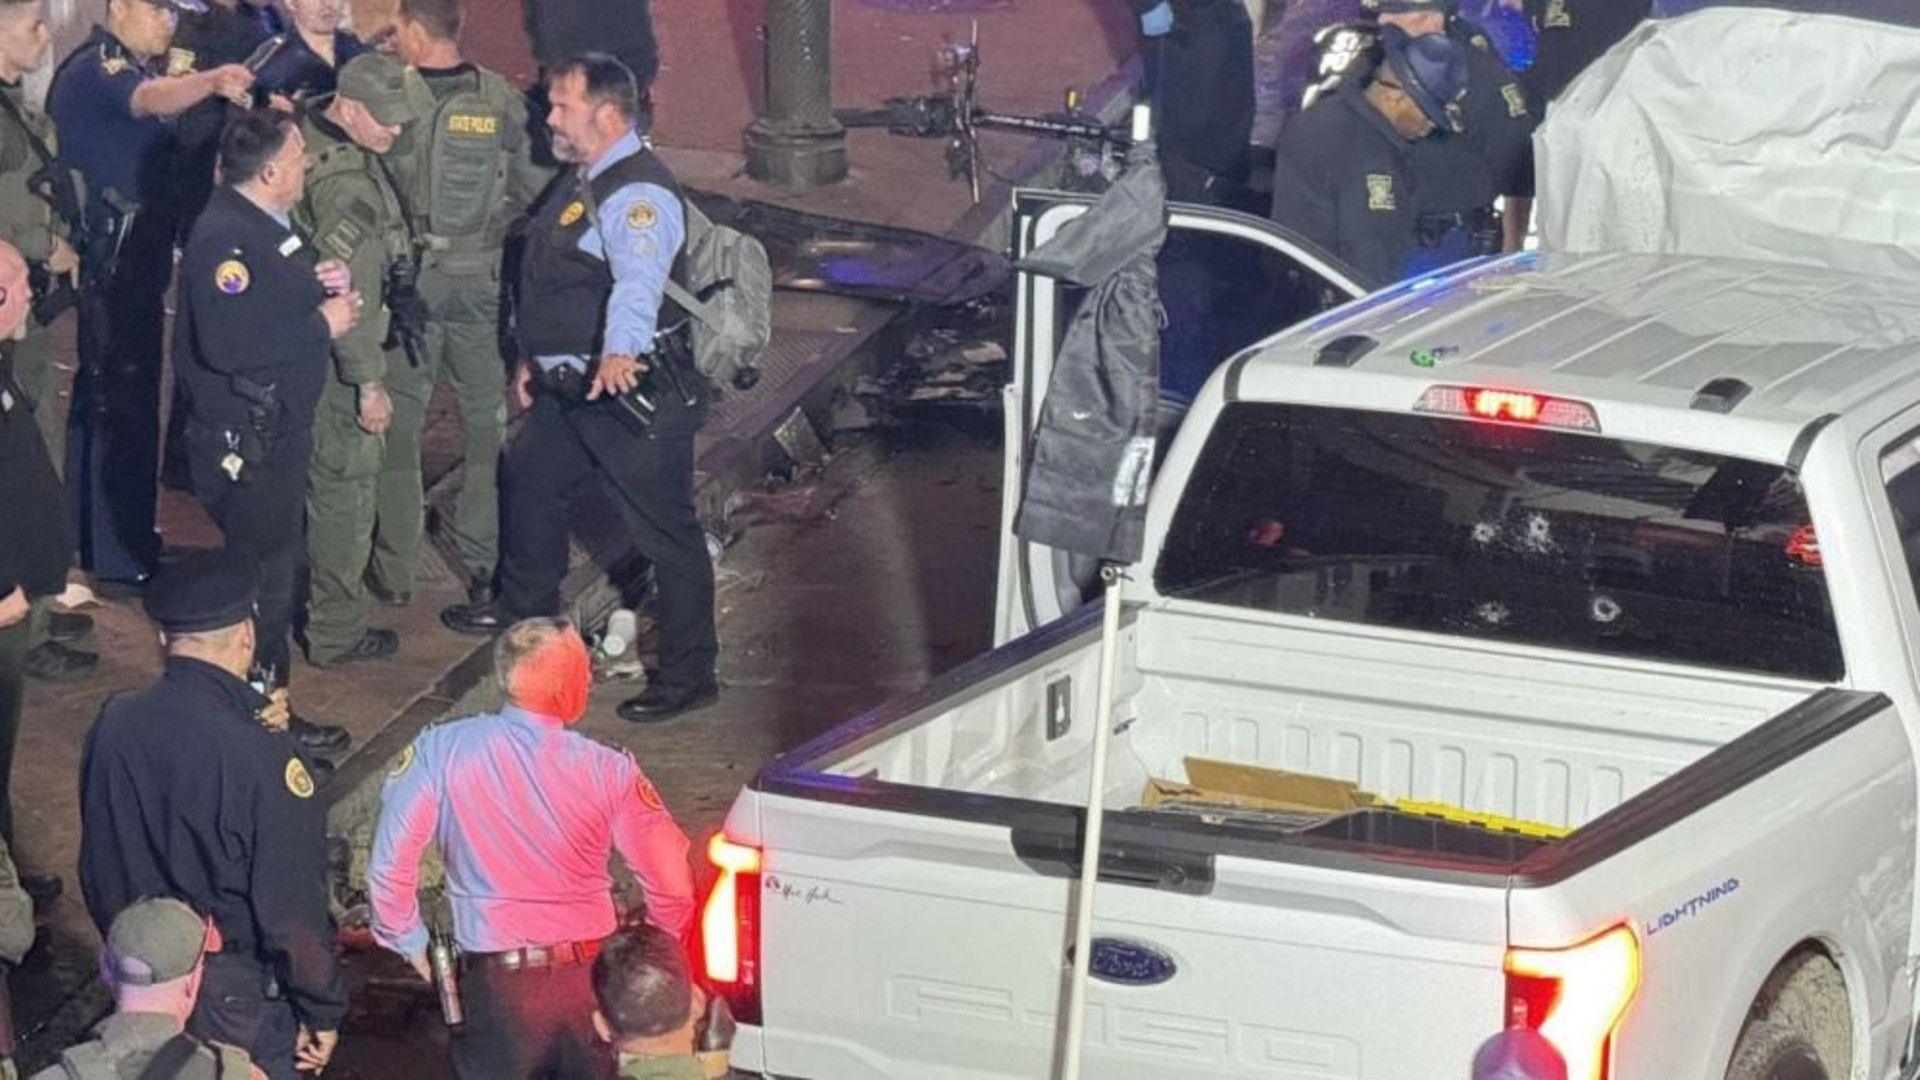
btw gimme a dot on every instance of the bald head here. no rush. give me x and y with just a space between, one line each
543 667
15 295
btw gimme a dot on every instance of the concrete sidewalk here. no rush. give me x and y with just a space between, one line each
1034 50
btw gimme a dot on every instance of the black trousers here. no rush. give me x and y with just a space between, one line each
560 447
533 1024
263 516
113 428
237 1007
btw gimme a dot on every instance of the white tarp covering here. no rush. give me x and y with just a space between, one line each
1743 132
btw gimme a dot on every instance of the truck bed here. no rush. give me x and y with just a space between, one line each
1550 740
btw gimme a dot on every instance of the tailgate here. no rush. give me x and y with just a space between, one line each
920 944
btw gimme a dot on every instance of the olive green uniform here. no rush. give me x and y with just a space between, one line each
124 1043
673 1067
28 223
468 174
351 211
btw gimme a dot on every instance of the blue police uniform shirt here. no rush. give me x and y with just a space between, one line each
91 104
640 230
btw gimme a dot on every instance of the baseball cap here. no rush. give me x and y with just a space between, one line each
1432 69
379 82
157 940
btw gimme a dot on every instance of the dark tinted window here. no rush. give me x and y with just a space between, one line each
1504 532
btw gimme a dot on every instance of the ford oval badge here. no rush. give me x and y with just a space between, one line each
1129 963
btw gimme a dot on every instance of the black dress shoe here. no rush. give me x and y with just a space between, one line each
373 645
68 626
42 889
477 619
54 662
658 702
320 738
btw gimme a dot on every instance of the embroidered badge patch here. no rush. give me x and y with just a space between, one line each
232 277
1556 17
402 763
649 797
1380 192
574 211
180 61
1516 99
468 124
298 780
642 215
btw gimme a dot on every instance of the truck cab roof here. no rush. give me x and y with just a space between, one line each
1722 354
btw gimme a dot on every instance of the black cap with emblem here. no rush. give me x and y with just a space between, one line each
208 590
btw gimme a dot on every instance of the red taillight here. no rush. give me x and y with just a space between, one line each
730 928
1803 547
1575 997
1508 406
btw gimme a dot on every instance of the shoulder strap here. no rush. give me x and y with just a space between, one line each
40 148
171 1058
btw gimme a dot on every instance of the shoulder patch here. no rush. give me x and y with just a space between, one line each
574 212
180 61
1516 99
402 763
649 796
1380 192
298 780
642 215
232 277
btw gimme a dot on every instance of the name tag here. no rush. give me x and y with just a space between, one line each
290 245
463 124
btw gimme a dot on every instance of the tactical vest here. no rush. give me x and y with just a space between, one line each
564 290
461 192
342 159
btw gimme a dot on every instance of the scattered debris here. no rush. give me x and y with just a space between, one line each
955 357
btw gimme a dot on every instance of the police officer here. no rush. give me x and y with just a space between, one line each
471 173
185 791
111 108
604 400
1199 64
1498 141
647 1006
154 958
1345 174
227 32
1572 34
560 29
259 309
36 545
28 222
353 214
309 60
526 814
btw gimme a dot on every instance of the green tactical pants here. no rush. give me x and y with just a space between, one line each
341 487
33 367
462 346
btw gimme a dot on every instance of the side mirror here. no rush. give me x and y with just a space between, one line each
1518 1054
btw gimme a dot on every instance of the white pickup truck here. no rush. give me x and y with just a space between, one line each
1620 543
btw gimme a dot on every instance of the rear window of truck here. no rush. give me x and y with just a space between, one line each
1505 532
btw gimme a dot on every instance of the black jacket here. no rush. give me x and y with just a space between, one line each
1201 80
36 535
1345 179
183 793
249 315
1572 35
560 29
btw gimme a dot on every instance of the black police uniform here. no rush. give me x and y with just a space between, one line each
35 549
113 429
1345 179
1200 79
202 42
251 352
183 793
566 440
299 73
1573 34
1462 174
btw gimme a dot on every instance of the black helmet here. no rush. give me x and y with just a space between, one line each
1432 69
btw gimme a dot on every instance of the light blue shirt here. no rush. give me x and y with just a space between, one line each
639 231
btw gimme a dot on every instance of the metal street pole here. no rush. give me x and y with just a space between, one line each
797 142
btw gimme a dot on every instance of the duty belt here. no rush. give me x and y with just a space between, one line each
565 954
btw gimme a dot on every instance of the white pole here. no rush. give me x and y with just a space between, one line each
1090 848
